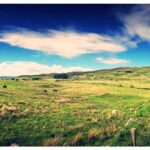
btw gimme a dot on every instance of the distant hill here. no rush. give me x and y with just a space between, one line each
97 74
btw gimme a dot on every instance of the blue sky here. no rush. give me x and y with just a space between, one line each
37 39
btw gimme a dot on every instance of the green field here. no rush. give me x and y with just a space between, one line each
88 109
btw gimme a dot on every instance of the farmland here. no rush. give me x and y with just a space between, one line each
96 108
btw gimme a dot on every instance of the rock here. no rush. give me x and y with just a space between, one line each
64 100
130 120
14 145
114 112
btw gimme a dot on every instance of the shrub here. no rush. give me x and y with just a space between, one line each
36 78
120 85
77 140
25 79
51 142
128 71
131 86
17 80
61 76
93 135
111 129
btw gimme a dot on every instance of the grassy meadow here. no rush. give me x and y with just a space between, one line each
89 109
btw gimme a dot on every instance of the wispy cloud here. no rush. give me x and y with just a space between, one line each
32 68
111 61
137 23
63 43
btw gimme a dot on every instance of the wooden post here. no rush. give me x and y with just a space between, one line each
133 136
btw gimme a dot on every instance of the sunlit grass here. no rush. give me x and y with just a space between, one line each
97 112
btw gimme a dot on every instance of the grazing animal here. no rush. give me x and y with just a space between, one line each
45 90
5 86
55 90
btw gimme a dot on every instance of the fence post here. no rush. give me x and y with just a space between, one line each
133 136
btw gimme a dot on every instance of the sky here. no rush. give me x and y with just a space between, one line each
48 38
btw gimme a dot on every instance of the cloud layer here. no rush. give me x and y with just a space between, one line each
32 68
111 61
63 43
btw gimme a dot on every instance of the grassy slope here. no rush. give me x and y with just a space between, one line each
97 108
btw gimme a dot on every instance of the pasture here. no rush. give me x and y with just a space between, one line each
91 109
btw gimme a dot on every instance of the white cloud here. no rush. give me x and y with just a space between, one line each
111 60
137 22
32 68
63 43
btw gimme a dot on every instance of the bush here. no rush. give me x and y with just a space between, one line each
128 71
93 135
77 140
36 78
131 86
120 85
51 142
17 80
61 76
25 79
